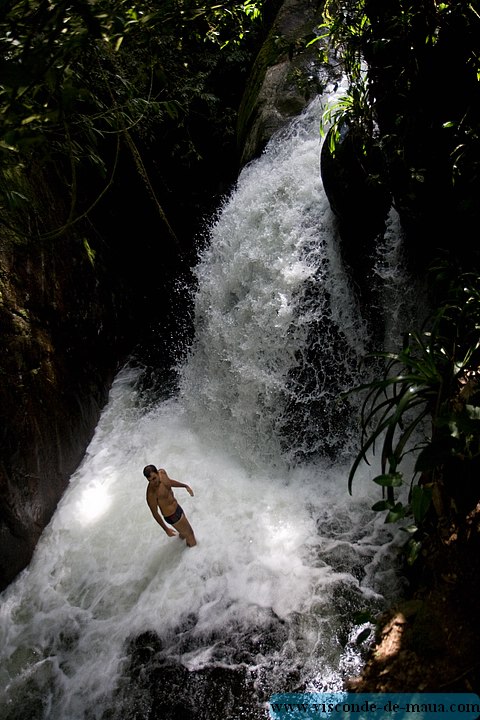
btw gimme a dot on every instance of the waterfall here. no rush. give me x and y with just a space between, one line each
278 334
111 614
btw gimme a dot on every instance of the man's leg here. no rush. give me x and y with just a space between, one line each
185 531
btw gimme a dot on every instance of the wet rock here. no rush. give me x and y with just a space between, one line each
286 76
161 688
351 179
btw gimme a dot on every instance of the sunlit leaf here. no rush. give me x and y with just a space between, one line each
389 479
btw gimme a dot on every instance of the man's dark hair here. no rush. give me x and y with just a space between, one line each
149 469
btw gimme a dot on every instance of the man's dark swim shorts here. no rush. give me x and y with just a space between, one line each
174 517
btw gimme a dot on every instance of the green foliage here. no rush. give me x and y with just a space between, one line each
81 80
46 45
220 18
436 376
349 111
347 25
398 58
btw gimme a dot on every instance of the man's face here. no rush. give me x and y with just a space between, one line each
152 475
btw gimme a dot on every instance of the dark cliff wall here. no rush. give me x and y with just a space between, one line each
57 361
67 312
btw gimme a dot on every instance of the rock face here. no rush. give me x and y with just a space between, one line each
166 690
60 345
286 75
361 204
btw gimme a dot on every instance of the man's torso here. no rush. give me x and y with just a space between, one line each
164 498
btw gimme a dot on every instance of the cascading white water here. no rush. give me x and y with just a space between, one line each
285 558
270 277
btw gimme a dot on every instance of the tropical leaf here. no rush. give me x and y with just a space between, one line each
389 479
420 502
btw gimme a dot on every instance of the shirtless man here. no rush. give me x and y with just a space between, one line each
160 495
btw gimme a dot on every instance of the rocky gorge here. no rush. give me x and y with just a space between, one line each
76 300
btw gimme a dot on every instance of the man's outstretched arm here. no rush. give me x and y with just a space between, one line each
176 483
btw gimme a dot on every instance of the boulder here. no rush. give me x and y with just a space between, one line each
287 74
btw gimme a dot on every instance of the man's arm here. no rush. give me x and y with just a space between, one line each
175 483
154 510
